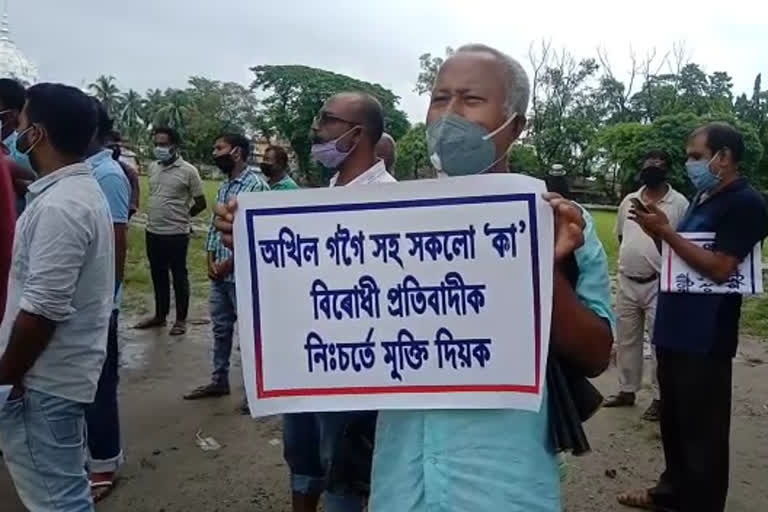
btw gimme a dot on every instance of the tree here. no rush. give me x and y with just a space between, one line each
429 67
130 112
565 117
294 95
105 89
412 159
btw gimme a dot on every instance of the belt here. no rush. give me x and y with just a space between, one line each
642 280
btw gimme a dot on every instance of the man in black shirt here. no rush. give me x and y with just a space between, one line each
696 334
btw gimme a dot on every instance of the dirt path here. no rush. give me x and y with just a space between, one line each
167 472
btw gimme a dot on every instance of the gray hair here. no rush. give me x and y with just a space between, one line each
517 86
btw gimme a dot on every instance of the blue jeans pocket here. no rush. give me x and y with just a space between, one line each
66 431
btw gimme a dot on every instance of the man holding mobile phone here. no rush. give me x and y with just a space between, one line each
638 280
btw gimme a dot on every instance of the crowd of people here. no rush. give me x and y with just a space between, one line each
66 201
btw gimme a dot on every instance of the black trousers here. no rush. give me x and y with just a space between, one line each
168 253
695 429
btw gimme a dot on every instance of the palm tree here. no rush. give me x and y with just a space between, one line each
175 109
130 114
105 89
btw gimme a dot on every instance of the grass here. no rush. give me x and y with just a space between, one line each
139 286
138 289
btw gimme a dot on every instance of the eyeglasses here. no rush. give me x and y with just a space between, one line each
325 118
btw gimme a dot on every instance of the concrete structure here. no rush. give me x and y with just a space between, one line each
13 63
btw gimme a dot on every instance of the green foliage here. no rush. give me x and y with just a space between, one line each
429 67
523 159
105 89
412 159
295 95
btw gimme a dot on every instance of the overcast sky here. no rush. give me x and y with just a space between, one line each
160 43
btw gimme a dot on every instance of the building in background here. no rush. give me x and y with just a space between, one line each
13 63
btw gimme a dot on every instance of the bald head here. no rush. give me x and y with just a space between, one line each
352 109
385 149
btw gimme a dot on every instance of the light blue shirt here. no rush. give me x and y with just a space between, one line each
113 182
480 460
117 189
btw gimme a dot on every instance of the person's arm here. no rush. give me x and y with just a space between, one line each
133 179
30 336
196 190
56 254
117 190
581 331
743 227
121 249
621 214
198 206
223 219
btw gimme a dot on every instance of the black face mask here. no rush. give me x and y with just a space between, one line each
653 176
225 162
267 169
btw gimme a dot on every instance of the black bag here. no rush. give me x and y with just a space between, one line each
572 397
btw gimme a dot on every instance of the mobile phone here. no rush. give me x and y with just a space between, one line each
638 205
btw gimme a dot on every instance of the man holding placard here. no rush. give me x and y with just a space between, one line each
696 331
462 459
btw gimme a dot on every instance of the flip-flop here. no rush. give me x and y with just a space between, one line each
178 330
641 499
100 490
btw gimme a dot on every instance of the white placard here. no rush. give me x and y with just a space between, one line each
5 392
428 294
678 277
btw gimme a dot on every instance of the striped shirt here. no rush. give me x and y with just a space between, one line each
248 181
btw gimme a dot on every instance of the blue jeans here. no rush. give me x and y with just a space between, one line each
222 302
309 443
102 416
43 443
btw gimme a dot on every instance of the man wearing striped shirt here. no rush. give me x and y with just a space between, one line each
230 153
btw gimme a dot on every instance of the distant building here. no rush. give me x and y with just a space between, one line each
13 63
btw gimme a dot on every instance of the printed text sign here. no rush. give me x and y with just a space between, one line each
432 294
678 277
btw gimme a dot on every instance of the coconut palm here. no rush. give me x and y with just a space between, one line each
130 112
105 89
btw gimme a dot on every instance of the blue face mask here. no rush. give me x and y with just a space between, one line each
17 156
162 153
459 147
701 175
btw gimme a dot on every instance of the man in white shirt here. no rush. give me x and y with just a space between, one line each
54 332
639 269
344 137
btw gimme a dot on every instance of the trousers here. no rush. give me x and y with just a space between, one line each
223 308
168 253
42 438
102 417
635 314
695 431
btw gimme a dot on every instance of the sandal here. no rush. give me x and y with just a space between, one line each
178 329
208 391
150 323
641 499
623 399
102 485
